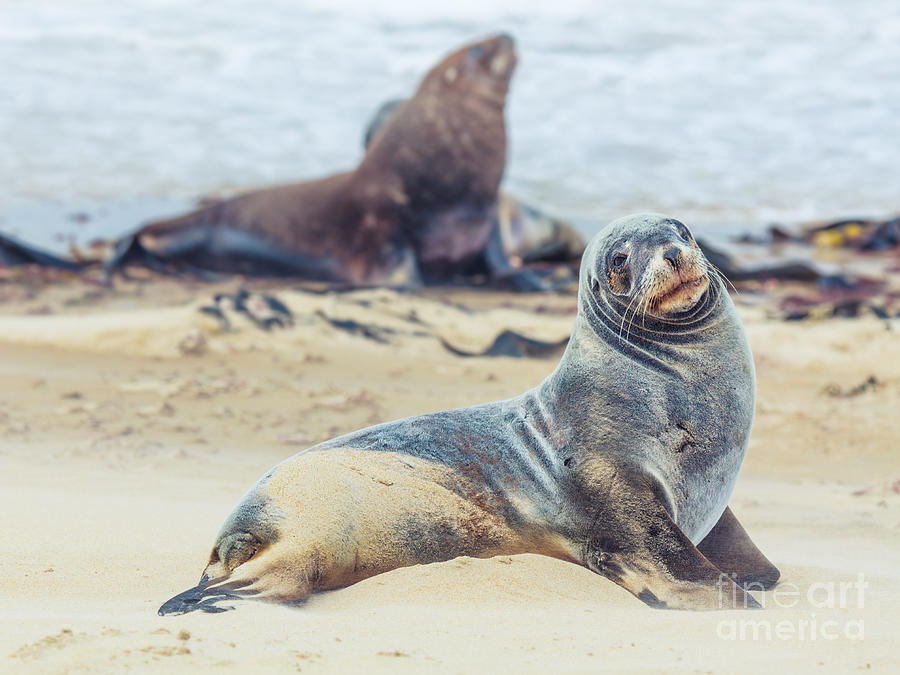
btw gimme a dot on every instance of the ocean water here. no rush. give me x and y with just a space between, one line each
727 115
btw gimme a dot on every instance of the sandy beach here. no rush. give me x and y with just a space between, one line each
132 423
409 144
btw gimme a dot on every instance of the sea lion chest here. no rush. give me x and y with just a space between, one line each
691 425
678 413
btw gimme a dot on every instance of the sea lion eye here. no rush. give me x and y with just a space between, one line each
618 260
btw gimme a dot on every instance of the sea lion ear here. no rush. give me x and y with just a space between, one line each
473 57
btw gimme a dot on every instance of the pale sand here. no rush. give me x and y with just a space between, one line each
121 456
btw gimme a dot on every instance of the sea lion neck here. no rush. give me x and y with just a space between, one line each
605 328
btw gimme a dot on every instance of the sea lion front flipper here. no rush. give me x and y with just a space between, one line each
728 547
639 546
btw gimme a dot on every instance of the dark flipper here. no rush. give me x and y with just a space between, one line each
13 253
639 546
728 547
204 597
204 250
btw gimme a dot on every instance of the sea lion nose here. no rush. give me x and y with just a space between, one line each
671 255
506 40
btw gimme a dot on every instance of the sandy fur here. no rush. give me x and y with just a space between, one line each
348 515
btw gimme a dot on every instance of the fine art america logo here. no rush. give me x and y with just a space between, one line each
822 595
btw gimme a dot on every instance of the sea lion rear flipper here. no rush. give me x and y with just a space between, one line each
205 597
643 550
206 251
14 253
728 547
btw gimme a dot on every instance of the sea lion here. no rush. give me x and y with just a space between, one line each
526 233
623 460
418 208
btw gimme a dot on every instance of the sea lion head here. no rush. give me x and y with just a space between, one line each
646 267
247 537
481 68
445 148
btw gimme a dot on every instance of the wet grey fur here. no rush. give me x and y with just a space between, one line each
644 422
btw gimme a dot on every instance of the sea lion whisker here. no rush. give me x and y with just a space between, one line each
726 281
641 294
625 316
644 313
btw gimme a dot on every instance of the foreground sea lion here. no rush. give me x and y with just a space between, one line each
418 208
623 460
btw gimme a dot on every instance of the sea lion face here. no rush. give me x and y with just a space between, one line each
483 67
649 262
251 530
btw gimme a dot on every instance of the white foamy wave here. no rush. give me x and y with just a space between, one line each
737 113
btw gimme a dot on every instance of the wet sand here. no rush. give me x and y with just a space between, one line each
131 424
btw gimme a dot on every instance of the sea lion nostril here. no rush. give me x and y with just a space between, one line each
672 256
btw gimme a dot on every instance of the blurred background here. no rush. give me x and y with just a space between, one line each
113 113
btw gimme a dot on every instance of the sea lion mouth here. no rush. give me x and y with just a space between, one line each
681 294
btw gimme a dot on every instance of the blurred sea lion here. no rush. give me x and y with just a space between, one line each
420 207
527 233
